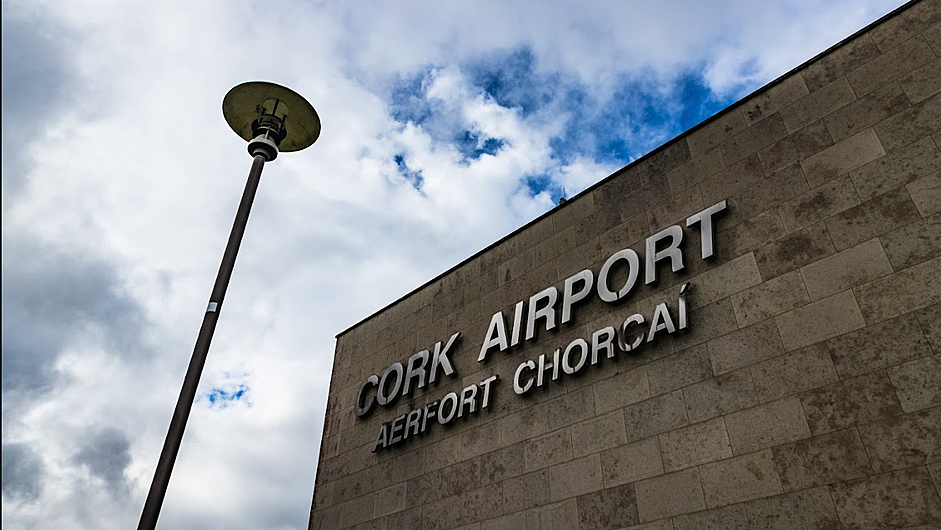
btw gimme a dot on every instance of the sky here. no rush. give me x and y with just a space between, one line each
446 126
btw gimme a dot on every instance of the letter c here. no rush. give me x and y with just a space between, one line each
362 409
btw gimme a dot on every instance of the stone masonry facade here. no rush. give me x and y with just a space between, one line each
806 391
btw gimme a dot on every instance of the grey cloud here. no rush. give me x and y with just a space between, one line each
106 453
22 472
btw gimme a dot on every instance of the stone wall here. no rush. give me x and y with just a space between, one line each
806 391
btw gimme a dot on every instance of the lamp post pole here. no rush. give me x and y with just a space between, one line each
258 112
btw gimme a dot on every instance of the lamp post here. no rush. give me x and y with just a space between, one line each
271 118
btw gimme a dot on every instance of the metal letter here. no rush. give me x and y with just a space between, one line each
413 423
633 263
672 252
683 290
597 344
416 371
381 396
359 408
398 425
431 411
486 386
517 323
468 397
622 337
449 397
548 312
441 358
554 366
383 439
583 356
496 336
704 218
569 297
661 313
516 378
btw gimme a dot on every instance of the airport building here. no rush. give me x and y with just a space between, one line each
740 330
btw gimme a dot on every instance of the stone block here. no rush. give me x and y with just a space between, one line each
753 139
481 439
871 219
906 441
547 450
794 251
726 518
818 104
767 425
911 124
669 495
569 408
794 372
624 389
811 508
820 320
663 524
514 521
922 82
935 471
744 347
930 320
681 369
677 208
914 19
599 433
891 296
844 270
696 444
769 299
890 500
879 346
358 510
819 203
557 516
563 216
631 462
570 479
890 65
842 157
526 491
926 192
656 415
824 459
838 62
502 464
715 131
933 36
856 401
800 144
480 504
724 280
608 509
898 168
524 425
773 98
707 322
720 395
597 223
918 383
750 234
738 176
882 103
768 193
410 518
910 245
740 479
694 171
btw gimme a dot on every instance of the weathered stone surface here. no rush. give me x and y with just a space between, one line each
697 444
891 500
569 408
867 111
818 104
722 127
720 395
911 124
906 441
599 433
922 82
844 270
480 504
744 347
681 369
663 524
842 157
739 479
713 320
809 509
933 36
856 401
899 167
608 509
918 17
774 98
794 251
890 296
697 169
796 147
918 383
626 388
871 219
514 521
768 193
820 320
524 425
558 516
631 462
820 460
654 416
725 518
668 495
767 425
751 234
526 491
499 465
547 450
793 372
724 280
837 63
390 500
481 439
890 65
915 243
818 204
737 176
675 209
754 138
930 319
880 346
769 299
926 192
570 479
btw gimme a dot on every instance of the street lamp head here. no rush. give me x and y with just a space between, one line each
271 118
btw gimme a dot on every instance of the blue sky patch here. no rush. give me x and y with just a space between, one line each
226 395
